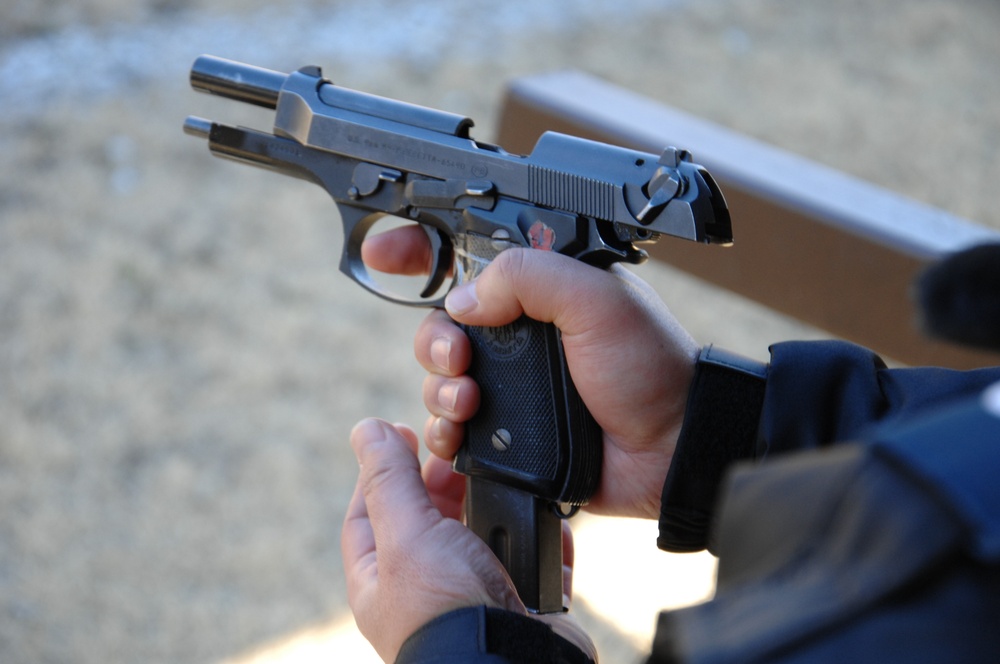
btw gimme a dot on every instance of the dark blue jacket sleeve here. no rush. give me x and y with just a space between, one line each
884 550
815 394
821 393
478 635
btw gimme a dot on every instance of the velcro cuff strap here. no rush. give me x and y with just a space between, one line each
720 426
487 635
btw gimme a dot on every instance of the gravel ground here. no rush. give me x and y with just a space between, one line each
180 361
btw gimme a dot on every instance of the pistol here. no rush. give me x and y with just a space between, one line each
532 454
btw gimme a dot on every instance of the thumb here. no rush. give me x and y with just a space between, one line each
543 285
395 497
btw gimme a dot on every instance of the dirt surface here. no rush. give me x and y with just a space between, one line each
181 361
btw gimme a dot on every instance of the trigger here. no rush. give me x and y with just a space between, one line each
442 253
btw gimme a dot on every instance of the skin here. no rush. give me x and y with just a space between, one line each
407 557
626 353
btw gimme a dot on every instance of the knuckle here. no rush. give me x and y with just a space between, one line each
511 265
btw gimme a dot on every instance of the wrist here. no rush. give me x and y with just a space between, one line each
675 417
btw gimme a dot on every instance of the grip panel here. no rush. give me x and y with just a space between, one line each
532 430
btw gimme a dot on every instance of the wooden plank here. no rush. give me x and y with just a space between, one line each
811 242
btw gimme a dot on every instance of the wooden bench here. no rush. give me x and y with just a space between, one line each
811 242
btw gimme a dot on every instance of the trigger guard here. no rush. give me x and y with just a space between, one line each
443 255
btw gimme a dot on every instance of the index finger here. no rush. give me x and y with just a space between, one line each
404 250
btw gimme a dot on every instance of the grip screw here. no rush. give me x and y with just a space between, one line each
500 239
501 440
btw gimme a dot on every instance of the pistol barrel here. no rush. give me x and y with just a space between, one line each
235 80
198 127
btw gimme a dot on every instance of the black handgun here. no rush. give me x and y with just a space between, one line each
532 455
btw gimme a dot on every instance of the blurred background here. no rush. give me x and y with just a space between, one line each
181 361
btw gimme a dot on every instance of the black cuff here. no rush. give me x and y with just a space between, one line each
720 426
480 634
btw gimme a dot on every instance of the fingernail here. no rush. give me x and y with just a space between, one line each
432 435
448 396
441 353
370 429
435 431
366 432
462 300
